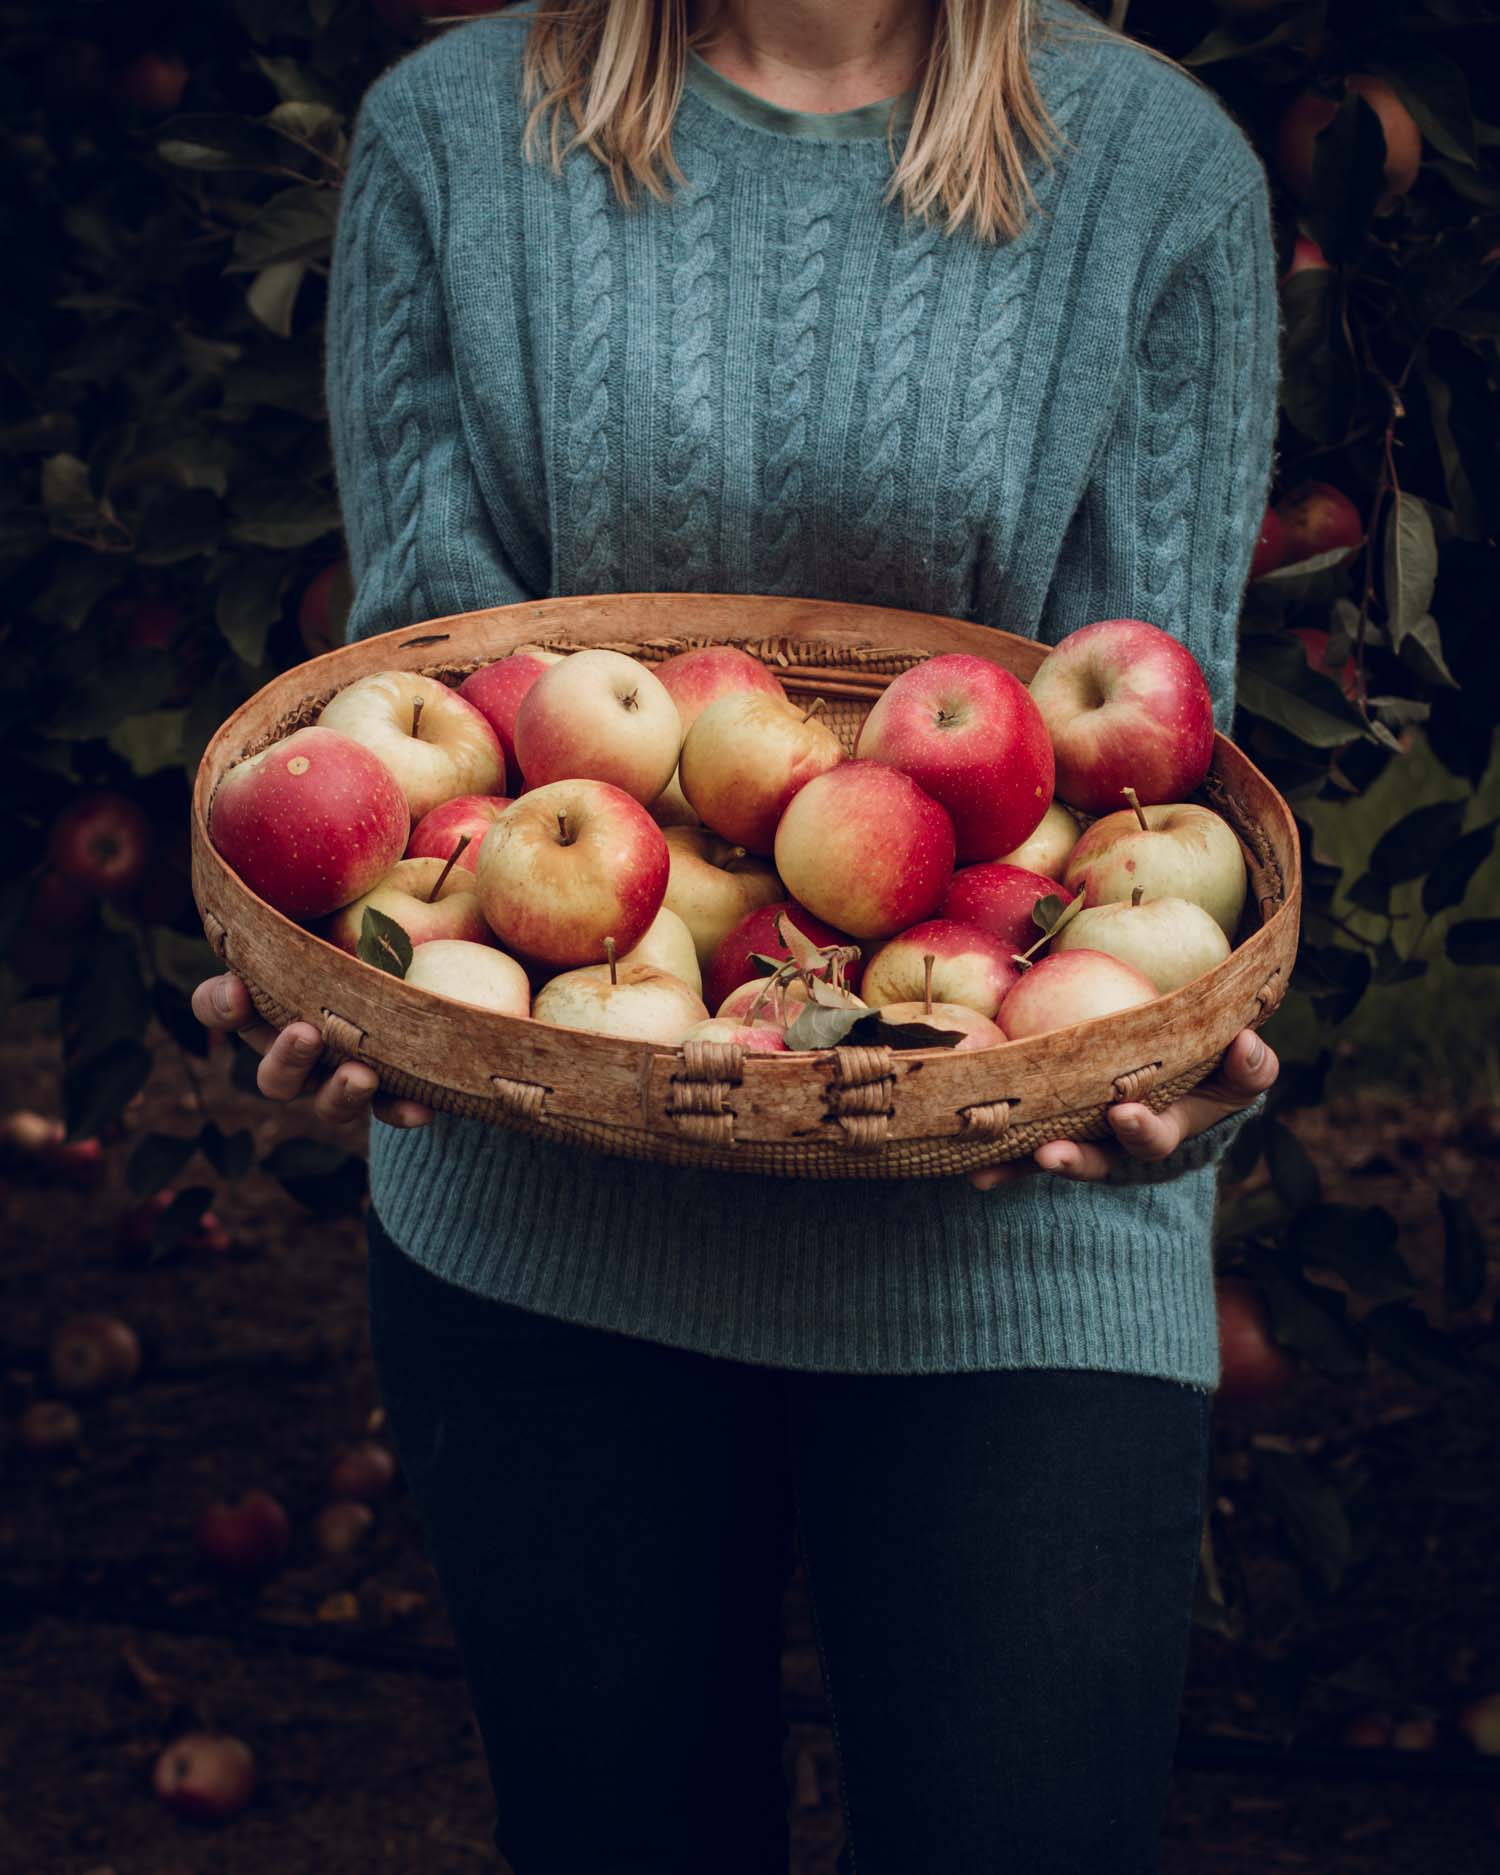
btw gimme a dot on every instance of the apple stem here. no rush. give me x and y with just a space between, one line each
416 717
815 708
609 952
1140 812
563 833
453 859
927 962
1137 894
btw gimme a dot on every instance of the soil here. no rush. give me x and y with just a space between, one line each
340 1675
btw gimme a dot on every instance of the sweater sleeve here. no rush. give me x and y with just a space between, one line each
1171 512
424 539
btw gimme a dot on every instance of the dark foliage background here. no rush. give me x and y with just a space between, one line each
169 538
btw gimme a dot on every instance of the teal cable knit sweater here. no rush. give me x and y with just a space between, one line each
775 383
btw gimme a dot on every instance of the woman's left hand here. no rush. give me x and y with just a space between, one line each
1248 1068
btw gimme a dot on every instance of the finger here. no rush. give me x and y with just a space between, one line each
288 1062
223 1003
1148 1135
404 1114
1073 1158
346 1095
1249 1067
987 1177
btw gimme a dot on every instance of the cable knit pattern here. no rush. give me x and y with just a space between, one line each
788 385
591 511
684 542
797 306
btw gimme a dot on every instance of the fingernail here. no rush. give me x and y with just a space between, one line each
223 999
304 1048
1130 1123
1257 1053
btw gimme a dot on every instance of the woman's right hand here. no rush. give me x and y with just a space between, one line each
289 1061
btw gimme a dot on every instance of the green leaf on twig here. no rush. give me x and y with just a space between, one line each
383 943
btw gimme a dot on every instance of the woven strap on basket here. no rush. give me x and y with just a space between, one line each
520 1100
341 1036
861 1096
698 1097
218 937
1268 996
1135 1081
989 1119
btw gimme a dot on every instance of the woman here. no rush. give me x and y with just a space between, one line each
967 307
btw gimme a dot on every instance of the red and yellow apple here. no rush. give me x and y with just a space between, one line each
634 1001
1181 851
970 966
205 1777
1170 940
757 1038
364 1472
405 894
567 866
668 945
970 736
1046 849
440 829
755 935
745 757
1000 898
972 1029
1126 705
93 1353
1069 987
1270 545
599 716
248 1537
864 846
497 690
694 679
101 842
434 742
1311 112
714 884
1318 518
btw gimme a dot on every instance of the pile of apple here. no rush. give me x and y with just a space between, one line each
684 852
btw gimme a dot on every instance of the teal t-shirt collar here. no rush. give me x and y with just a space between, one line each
875 120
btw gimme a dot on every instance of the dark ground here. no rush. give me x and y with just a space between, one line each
337 1673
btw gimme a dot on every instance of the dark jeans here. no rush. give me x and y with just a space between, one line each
1000 1568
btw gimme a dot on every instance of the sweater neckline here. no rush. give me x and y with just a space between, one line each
873 121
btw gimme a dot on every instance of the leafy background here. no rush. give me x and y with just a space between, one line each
169 539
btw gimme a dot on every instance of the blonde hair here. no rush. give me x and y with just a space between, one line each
606 76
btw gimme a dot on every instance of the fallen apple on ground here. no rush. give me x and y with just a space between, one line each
365 1472
1170 940
970 736
205 1777
431 739
93 1353
1171 850
599 716
50 1429
248 1538
1126 705
1253 1368
311 822
567 866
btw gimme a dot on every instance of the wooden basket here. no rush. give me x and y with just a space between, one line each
843 1113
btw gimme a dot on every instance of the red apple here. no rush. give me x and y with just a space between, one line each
744 758
311 822
153 82
1270 547
1314 641
432 740
633 1001
1309 114
1172 850
497 690
406 893
1307 257
567 866
1480 1724
865 845
759 1038
972 1029
248 1538
599 716
342 1526
970 966
49 1429
365 1472
1001 898
101 842
1252 1367
315 610
970 736
93 1354
694 679
1126 705
469 972
440 829
205 1777
1069 987
732 962
755 1003
1317 518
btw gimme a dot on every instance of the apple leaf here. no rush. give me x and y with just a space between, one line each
816 1027
803 952
1275 684
1474 944
1359 1242
230 1154
913 1034
1410 564
383 943
96 1088
326 1180
1449 879
156 1161
1408 850
1051 914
